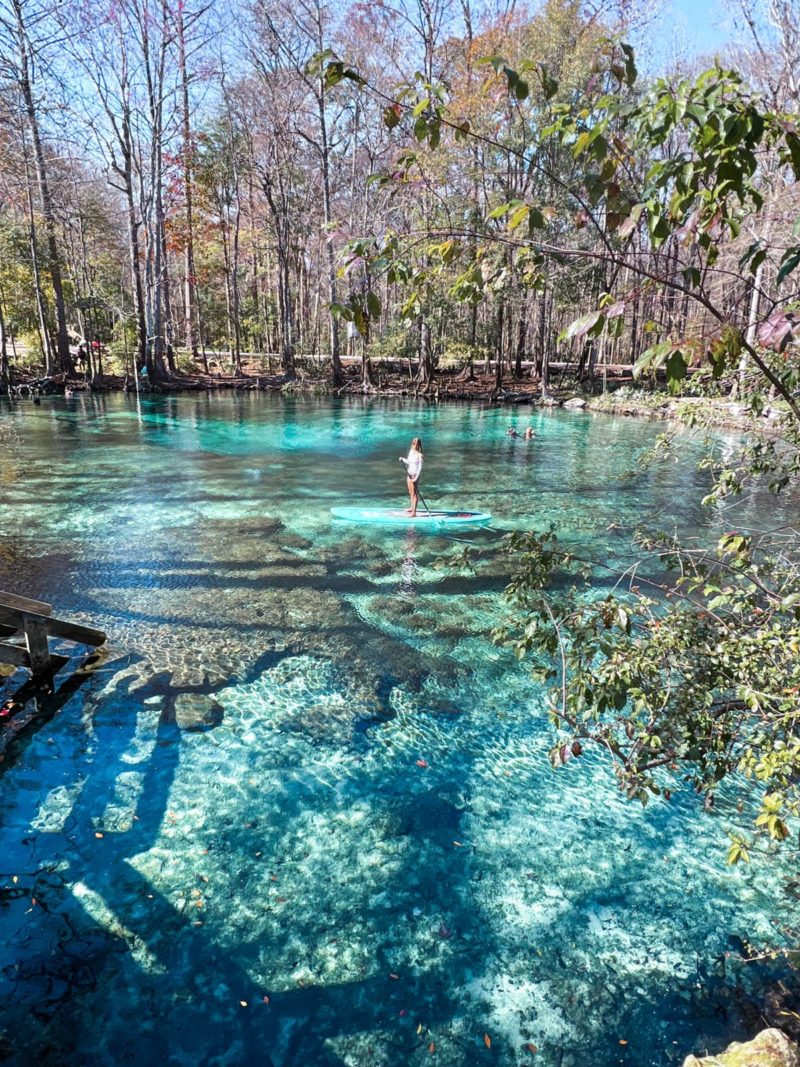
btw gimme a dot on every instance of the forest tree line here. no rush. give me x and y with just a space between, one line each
179 181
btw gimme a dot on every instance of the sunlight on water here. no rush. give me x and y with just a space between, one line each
303 814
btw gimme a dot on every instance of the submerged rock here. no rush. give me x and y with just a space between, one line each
197 712
770 1048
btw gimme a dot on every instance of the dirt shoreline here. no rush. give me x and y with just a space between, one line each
618 400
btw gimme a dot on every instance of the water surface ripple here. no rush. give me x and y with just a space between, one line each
287 885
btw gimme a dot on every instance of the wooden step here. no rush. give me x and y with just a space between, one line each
34 620
15 654
22 603
71 631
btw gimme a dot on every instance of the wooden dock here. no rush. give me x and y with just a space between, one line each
25 629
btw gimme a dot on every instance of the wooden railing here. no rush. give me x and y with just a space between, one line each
25 628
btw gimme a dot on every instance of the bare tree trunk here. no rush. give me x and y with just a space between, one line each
255 266
237 323
189 280
285 310
750 334
136 268
41 306
498 348
226 266
544 348
62 353
154 63
425 372
333 322
522 336
5 369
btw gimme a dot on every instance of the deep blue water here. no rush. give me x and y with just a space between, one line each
291 886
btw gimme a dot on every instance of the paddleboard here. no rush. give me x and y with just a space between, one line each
400 517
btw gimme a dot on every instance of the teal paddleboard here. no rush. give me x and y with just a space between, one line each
400 517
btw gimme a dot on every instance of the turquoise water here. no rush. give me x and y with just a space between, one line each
364 857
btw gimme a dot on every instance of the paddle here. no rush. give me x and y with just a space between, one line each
419 494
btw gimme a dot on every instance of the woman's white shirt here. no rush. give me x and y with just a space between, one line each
414 463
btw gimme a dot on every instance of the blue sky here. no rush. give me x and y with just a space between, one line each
705 23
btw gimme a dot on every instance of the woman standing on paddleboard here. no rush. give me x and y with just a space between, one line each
413 464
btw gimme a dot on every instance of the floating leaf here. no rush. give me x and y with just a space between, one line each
487 1041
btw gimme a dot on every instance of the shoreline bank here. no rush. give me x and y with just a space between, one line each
618 399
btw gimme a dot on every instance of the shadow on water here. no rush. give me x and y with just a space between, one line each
190 975
60 959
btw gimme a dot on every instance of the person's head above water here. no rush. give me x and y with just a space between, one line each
416 445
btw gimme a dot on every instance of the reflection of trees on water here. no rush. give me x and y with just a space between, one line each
10 448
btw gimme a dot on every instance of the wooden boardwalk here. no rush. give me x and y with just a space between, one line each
25 629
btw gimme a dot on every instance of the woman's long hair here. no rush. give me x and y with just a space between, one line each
416 445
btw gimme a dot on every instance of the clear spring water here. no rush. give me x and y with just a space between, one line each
290 886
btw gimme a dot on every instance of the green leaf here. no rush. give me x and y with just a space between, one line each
676 370
793 144
336 71
582 326
518 216
652 359
495 61
461 130
791 261
500 210
549 83
360 319
630 65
